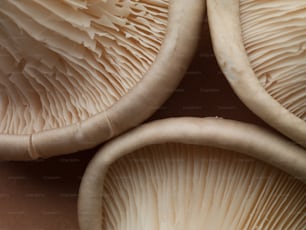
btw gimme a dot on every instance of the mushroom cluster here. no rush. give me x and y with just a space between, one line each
75 73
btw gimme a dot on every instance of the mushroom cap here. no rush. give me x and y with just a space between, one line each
76 73
260 46
188 173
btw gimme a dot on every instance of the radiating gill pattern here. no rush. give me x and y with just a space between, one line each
64 61
179 187
274 34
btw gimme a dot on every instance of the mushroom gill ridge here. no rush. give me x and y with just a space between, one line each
179 186
64 61
274 35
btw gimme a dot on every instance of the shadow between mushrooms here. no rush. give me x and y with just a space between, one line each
260 46
191 173
74 73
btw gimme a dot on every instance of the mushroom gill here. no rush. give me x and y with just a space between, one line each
179 186
274 36
64 61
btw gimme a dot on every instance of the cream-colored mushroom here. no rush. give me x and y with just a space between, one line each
75 73
192 173
260 45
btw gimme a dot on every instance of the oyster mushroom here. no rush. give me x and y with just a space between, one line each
76 73
260 46
192 173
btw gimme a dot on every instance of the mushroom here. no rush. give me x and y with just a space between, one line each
193 173
74 73
260 46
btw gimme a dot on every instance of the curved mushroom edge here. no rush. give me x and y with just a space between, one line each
235 136
137 105
227 38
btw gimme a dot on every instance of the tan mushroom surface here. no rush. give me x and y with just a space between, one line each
177 186
190 173
275 40
43 194
65 61
65 65
260 46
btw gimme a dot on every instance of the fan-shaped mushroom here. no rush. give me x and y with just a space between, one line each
192 173
75 73
260 45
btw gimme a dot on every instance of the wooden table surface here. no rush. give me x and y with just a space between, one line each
42 195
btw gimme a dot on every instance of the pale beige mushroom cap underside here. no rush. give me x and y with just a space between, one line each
193 173
76 73
260 46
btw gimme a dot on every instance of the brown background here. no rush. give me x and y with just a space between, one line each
42 195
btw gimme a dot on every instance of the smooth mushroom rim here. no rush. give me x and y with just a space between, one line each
221 134
163 76
225 26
